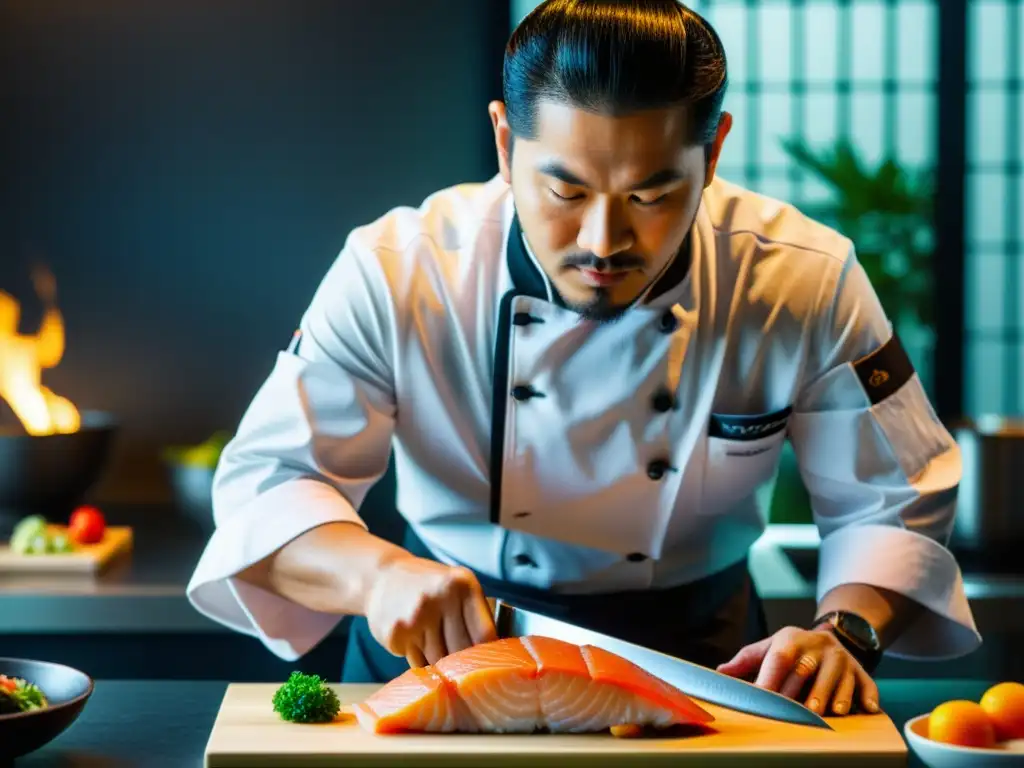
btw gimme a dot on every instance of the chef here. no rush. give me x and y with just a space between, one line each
585 370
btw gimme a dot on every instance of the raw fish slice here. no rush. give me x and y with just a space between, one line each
586 690
498 683
417 700
521 685
610 668
569 702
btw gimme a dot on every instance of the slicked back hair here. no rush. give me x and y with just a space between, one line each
615 57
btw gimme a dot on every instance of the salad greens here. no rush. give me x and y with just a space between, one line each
32 536
17 695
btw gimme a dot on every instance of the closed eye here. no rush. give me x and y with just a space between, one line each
647 203
563 197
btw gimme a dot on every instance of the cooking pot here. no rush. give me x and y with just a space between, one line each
49 474
990 513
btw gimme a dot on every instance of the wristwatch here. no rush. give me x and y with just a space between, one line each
855 634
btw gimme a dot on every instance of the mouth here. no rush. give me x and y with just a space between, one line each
602 279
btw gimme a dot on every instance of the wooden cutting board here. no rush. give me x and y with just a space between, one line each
247 732
86 559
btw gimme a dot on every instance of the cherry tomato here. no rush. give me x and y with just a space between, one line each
7 684
87 525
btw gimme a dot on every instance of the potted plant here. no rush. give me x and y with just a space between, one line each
886 211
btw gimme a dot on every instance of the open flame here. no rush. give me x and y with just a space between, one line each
23 358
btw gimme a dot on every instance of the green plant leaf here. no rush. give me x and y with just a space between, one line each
886 210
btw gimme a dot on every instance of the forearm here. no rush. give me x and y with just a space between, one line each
331 568
887 611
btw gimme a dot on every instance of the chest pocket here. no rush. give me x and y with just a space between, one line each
743 453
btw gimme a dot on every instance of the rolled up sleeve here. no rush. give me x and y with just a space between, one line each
882 471
311 444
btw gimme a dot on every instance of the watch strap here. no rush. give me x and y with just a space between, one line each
868 657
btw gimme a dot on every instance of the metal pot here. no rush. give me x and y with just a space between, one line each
990 513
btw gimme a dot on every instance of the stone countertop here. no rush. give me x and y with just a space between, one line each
145 592
167 723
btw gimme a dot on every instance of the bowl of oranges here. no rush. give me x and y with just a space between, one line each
975 734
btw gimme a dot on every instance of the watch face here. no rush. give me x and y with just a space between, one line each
859 630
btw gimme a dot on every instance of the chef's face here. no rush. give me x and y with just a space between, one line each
605 202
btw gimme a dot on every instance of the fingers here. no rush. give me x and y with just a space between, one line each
809 667
833 667
479 621
456 636
868 690
778 663
747 660
843 698
433 644
802 671
415 657
477 613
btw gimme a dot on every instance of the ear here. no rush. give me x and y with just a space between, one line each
502 138
724 124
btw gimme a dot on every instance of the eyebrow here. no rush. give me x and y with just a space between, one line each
656 179
560 172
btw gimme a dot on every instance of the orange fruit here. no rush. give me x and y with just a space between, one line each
1004 704
961 723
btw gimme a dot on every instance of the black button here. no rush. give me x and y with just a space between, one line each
523 559
663 401
657 469
525 318
668 322
636 557
524 392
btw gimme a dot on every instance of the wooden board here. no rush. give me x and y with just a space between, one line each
247 732
86 559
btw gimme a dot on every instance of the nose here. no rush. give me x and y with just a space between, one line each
605 231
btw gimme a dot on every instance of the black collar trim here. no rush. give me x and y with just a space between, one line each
526 275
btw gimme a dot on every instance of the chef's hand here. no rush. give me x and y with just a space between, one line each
791 658
424 610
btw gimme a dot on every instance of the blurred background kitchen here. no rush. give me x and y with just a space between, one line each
187 171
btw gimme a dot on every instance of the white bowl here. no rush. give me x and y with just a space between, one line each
935 754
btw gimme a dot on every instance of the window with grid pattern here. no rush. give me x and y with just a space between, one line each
826 71
994 216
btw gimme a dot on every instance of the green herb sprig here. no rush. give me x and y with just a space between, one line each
306 699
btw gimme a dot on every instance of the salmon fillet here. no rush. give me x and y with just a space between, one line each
523 685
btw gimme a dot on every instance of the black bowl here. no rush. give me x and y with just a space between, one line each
66 690
49 475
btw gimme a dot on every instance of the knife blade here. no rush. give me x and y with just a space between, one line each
692 679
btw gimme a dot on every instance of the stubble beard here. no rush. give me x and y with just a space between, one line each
600 309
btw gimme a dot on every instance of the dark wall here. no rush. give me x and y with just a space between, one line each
189 169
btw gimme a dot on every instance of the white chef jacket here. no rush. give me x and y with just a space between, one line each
535 447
